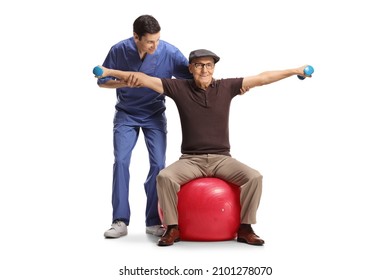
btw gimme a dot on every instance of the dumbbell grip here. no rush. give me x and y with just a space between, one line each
307 71
97 71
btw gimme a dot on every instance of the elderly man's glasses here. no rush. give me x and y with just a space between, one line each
202 65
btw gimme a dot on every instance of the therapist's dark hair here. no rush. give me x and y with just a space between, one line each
146 24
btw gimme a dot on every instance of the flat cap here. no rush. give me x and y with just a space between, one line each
203 53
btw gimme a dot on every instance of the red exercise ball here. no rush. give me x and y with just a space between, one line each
208 210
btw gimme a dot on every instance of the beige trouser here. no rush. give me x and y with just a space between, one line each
189 167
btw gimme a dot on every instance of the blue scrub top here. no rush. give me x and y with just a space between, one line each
166 62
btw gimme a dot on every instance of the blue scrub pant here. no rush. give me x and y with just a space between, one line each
126 132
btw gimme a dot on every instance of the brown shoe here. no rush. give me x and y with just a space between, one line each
170 236
246 234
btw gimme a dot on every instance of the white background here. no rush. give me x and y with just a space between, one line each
321 144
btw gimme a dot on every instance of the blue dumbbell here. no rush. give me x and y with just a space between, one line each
308 71
97 71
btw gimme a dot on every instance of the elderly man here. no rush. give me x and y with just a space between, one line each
203 104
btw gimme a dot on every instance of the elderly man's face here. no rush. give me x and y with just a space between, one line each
202 69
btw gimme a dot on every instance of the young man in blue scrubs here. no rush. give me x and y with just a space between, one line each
135 111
